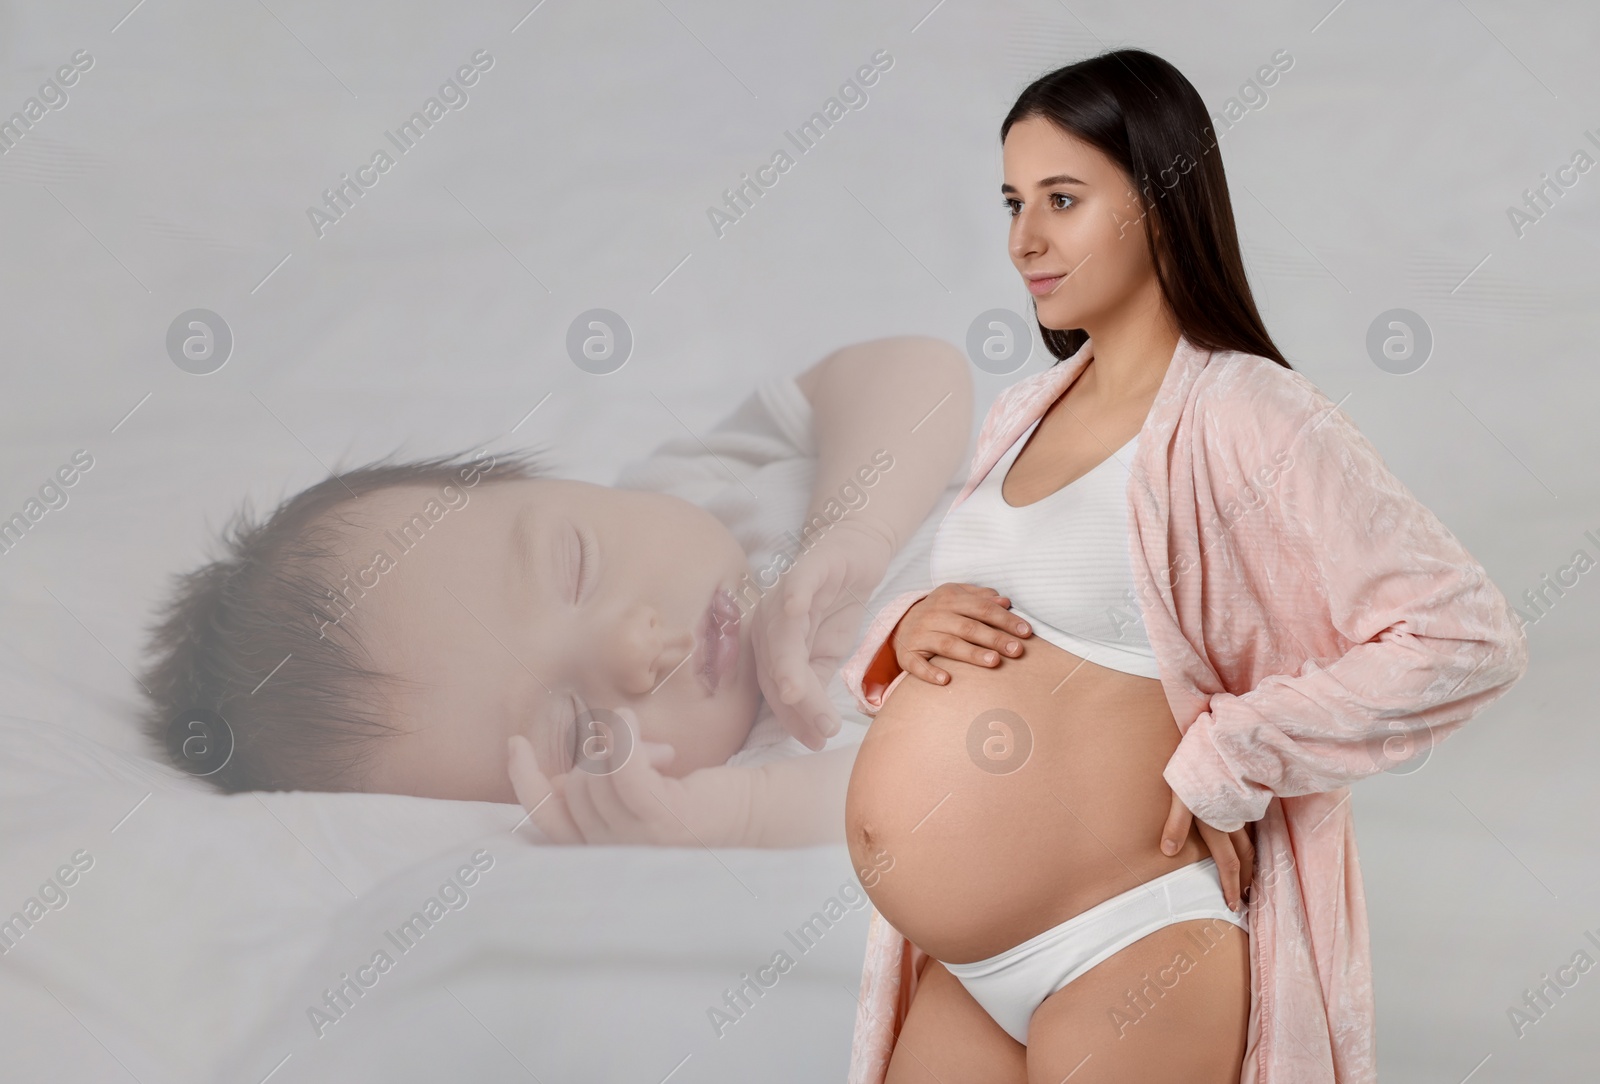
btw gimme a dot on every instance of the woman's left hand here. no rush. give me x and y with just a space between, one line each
1235 852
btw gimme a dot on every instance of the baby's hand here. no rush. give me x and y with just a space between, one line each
807 624
616 795
957 621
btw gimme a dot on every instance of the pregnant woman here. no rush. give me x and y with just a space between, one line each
1102 811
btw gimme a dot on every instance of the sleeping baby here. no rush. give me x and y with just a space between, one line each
641 663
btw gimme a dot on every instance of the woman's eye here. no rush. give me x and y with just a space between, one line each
1014 207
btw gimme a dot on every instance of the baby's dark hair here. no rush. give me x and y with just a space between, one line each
256 637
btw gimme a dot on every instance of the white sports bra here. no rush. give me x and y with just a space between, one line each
1063 561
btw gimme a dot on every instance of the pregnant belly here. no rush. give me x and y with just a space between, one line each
985 811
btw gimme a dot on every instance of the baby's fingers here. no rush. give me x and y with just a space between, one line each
800 586
605 793
615 793
580 800
547 809
633 792
590 794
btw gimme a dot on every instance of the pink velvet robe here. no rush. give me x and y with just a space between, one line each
1313 624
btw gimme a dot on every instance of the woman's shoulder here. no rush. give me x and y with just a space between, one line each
1249 412
1029 385
1236 392
1015 397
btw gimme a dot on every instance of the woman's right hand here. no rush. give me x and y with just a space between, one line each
957 621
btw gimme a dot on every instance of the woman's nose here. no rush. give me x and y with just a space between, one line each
646 652
1025 238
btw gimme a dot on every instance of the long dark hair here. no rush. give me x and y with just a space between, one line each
1147 118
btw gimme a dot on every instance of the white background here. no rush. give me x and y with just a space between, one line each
433 317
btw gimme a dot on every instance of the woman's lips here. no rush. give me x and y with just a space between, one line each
719 635
1038 287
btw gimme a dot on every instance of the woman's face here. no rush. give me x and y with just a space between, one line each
1077 228
535 602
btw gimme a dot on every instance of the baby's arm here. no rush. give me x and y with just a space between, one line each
787 803
906 400
799 801
890 420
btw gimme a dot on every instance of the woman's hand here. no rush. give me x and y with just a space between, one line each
1235 852
806 624
957 621
617 795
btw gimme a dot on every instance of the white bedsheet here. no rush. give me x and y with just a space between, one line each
205 927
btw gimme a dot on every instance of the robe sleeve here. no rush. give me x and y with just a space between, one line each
1430 641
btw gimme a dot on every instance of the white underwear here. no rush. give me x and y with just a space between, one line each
1012 985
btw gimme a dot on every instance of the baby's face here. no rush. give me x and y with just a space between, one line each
536 600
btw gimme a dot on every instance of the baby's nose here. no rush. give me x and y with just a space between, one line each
649 653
